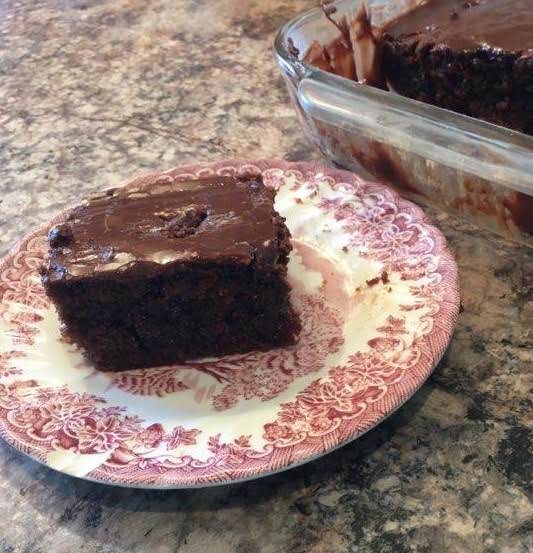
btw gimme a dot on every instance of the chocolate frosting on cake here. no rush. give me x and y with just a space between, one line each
167 270
163 224
463 25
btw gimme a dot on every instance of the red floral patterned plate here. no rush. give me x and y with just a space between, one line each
378 295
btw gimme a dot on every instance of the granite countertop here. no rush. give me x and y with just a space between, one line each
95 91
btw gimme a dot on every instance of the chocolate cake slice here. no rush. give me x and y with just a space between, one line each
474 57
159 274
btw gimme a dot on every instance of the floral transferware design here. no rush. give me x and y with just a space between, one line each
377 292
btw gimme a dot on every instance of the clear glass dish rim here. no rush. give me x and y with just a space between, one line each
505 140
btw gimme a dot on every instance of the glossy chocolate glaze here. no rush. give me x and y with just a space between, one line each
460 24
355 54
464 25
210 220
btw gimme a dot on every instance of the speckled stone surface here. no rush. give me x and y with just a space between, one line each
95 91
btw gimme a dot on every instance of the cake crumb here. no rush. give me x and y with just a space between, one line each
383 277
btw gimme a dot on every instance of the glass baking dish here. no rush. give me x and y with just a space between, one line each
464 165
